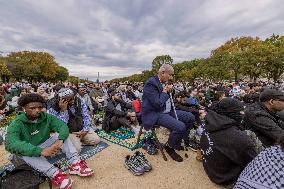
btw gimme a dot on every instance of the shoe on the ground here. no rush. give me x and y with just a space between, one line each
173 154
153 142
194 146
141 157
80 168
149 146
62 180
133 164
180 148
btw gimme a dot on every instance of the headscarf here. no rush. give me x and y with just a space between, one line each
65 92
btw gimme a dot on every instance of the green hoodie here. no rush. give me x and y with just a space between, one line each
23 136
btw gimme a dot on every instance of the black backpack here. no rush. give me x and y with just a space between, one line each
22 177
75 122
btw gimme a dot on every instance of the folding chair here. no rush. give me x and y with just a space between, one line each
159 145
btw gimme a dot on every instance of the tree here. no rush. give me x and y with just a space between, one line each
4 71
61 74
243 56
254 59
230 55
73 79
187 70
146 74
274 66
159 61
33 66
214 70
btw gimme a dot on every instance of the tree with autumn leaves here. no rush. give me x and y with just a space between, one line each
237 58
32 66
5 73
250 57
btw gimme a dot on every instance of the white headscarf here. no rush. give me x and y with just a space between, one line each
65 92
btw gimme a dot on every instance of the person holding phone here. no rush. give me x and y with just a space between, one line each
29 138
74 112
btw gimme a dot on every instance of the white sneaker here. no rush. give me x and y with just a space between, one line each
80 168
61 179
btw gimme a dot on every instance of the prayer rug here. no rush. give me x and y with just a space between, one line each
60 160
123 137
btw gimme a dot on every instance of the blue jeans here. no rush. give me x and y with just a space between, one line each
179 129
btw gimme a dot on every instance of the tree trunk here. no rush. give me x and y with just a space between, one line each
236 76
275 78
30 79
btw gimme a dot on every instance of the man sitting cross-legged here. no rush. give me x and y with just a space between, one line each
71 109
119 114
28 137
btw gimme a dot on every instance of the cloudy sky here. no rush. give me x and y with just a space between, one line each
122 37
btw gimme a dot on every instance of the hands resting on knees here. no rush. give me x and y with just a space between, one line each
53 149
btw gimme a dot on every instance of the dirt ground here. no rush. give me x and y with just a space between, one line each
110 172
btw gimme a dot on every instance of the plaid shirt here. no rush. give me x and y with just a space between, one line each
265 171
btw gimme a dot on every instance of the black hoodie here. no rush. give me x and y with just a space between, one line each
226 149
268 126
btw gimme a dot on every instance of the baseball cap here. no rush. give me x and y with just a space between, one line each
269 94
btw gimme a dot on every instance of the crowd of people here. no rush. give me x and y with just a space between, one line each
236 128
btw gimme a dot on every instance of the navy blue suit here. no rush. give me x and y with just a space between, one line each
153 106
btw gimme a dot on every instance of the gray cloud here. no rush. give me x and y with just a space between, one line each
119 38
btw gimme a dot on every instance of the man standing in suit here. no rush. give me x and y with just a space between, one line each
157 109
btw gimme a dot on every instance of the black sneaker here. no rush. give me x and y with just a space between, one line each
149 146
140 156
173 154
132 164
194 146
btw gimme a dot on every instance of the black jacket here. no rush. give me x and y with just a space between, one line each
110 111
226 149
130 95
268 126
180 106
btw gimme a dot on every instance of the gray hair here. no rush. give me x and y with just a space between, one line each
165 68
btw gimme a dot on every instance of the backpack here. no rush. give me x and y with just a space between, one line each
22 177
75 122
